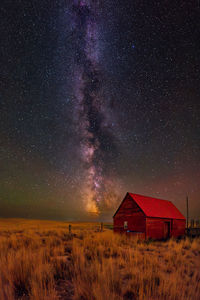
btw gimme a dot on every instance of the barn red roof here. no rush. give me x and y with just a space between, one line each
153 207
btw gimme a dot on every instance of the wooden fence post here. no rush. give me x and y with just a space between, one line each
70 228
101 226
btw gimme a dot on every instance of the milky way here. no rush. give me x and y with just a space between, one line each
95 138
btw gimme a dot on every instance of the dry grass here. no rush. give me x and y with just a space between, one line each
40 260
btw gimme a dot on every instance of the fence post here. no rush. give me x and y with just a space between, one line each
70 228
101 226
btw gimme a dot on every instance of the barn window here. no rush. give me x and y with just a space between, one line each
125 224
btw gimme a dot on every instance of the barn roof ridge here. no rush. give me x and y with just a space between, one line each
155 207
149 197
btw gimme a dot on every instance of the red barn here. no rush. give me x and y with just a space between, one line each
149 217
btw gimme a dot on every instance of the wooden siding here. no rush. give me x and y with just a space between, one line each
128 208
155 228
135 223
129 212
178 228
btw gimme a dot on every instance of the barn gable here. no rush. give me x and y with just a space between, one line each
128 207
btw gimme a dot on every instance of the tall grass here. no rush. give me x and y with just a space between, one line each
40 261
116 267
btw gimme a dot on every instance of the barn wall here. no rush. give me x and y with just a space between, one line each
155 228
178 228
135 223
129 211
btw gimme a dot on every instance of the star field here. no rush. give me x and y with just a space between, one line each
98 98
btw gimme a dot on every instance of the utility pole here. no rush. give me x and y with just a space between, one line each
187 212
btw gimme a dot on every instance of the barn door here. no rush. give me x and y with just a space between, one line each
166 230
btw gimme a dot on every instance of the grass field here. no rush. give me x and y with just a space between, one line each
41 260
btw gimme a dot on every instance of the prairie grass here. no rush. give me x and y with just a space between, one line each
40 260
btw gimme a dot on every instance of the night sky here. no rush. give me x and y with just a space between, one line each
98 98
